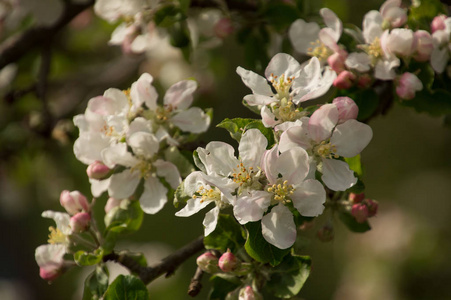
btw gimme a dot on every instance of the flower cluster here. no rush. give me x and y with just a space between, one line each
382 50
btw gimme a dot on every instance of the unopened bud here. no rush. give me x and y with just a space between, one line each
74 202
208 262
247 293
50 272
372 207
438 23
80 222
360 212
223 28
344 80
228 262
112 203
356 198
347 109
97 170
326 234
424 45
408 85
337 62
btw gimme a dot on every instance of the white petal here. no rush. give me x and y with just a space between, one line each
192 206
193 120
154 196
142 91
293 165
255 82
62 220
359 61
99 186
50 254
118 155
322 122
89 145
296 136
143 144
123 185
169 171
282 64
439 59
301 34
251 207
252 146
180 95
332 21
351 137
278 227
119 103
309 197
210 221
337 176
268 118
269 164
218 158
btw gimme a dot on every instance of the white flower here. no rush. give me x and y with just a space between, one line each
60 234
50 259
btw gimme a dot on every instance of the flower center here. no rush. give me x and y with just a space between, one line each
144 168
163 113
56 236
286 111
374 49
243 175
282 85
209 194
325 150
282 191
319 50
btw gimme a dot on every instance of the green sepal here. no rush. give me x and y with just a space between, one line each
96 283
352 224
125 218
83 258
236 127
259 249
127 288
228 234
288 278
168 15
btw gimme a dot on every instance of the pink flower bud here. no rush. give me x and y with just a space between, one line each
208 262
326 234
223 28
97 170
337 61
360 212
74 202
438 23
356 198
228 262
424 44
112 203
372 207
50 272
344 80
364 81
247 293
347 109
408 85
80 222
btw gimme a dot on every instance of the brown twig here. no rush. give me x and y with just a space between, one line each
196 285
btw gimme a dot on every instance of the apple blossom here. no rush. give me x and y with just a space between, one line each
208 262
438 23
97 170
74 202
423 44
50 259
247 293
344 80
228 262
347 109
80 222
407 85
360 212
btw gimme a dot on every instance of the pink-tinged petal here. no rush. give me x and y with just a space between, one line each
269 164
347 109
322 122
278 227
105 106
154 196
180 95
387 5
139 125
384 69
89 145
142 91
255 82
310 74
268 118
337 176
332 21
98 187
252 146
296 136
251 207
351 137
62 220
309 197
282 64
169 172
326 36
210 220
301 34
192 206
287 125
143 144
293 165
49 254
119 101
118 155
193 120
123 185
315 88
218 158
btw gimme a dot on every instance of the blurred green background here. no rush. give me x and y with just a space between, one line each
407 169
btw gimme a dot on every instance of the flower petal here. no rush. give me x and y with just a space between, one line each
180 94
252 146
144 144
142 91
301 34
169 172
351 137
210 221
251 207
255 82
322 122
309 197
337 176
193 120
293 164
154 196
278 227
282 64
123 185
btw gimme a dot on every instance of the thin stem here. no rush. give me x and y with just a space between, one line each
196 285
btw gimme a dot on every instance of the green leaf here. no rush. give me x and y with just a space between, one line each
352 224
238 126
184 5
125 218
184 166
367 101
221 287
126 288
289 277
355 164
420 17
168 15
96 284
83 258
227 235
435 103
259 249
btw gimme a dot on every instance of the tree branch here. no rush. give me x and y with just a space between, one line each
16 47
168 265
